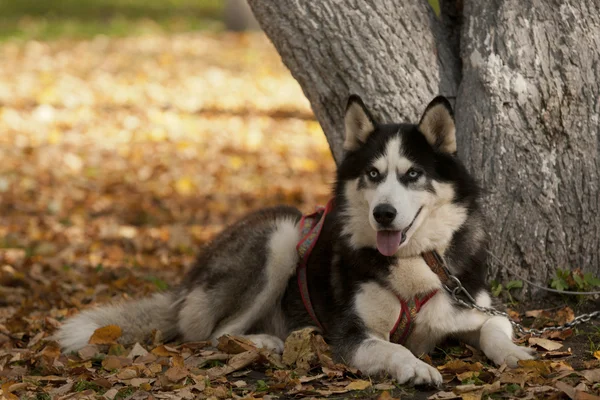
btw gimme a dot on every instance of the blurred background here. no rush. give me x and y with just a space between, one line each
131 131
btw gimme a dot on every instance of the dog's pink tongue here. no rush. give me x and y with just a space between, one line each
388 242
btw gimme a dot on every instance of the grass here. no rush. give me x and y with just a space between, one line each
44 20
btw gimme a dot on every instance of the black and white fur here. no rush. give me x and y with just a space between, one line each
400 191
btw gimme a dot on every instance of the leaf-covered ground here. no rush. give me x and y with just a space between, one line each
119 159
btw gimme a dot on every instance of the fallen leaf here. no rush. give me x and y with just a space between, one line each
592 375
444 396
386 396
460 366
533 313
556 354
236 362
564 315
136 351
358 385
384 386
234 345
87 352
106 335
127 373
545 343
7 391
299 350
175 374
597 354
566 389
164 351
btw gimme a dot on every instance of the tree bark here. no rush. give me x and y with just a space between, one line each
526 86
528 113
385 51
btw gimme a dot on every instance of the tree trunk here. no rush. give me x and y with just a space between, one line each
528 111
385 51
527 106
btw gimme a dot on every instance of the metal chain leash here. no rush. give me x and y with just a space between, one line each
470 303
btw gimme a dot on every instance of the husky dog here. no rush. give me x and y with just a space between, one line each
357 270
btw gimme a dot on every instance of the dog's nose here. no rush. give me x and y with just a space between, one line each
384 214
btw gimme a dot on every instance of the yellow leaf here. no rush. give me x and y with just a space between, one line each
236 162
106 335
164 351
459 366
54 136
597 354
184 186
358 385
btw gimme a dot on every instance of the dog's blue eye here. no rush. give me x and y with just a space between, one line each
413 174
373 174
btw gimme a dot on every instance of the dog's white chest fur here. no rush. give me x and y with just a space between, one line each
380 306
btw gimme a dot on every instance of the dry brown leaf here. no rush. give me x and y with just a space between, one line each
442 395
236 362
114 362
533 313
106 335
460 366
386 396
545 343
467 375
299 350
564 315
566 389
592 375
234 345
358 385
127 373
175 374
540 367
384 386
561 335
164 351
7 391
137 351
556 354
88 352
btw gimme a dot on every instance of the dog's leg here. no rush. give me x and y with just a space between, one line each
493 335
495 340
280 266
374 355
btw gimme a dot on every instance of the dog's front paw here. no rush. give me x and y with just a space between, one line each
510 354
414 371
268 342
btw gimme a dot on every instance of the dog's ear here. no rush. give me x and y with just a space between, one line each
437 125
358 122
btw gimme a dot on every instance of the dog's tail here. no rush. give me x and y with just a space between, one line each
137 320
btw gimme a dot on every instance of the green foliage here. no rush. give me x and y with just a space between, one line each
575 280
474 380
125 393
81 386
498 289
159 283
34 19
261 386
435 4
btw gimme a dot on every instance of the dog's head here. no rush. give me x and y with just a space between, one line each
401 187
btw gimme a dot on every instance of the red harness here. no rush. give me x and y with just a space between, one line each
310 229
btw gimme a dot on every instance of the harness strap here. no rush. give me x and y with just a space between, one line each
310 229
408 311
